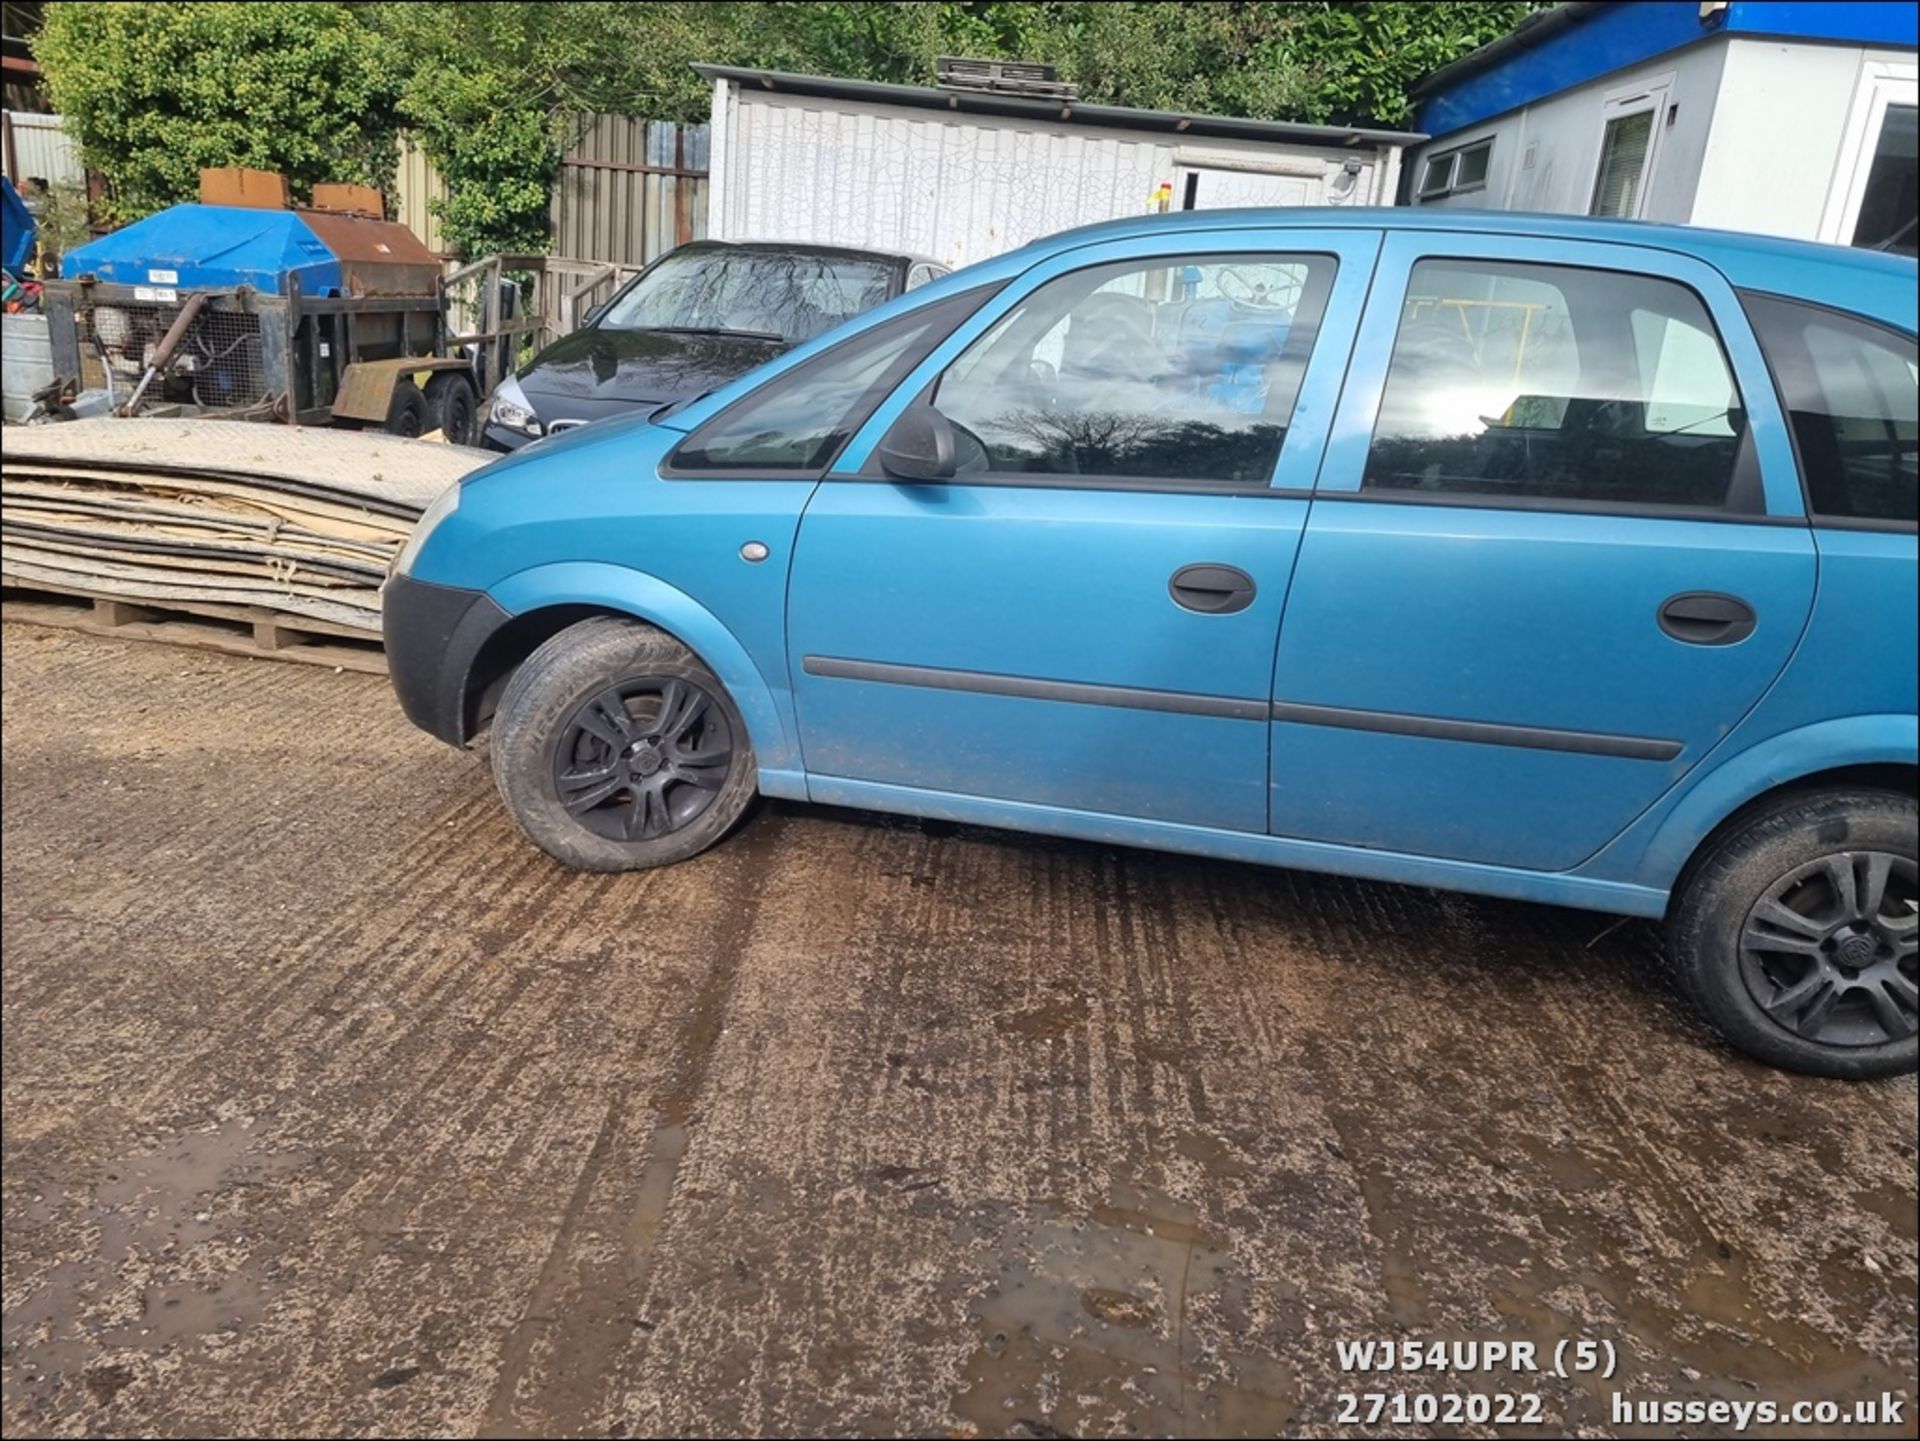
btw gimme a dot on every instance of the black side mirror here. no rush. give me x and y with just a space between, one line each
592 317
919 447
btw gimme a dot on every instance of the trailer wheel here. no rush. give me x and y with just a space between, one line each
407 411
452 406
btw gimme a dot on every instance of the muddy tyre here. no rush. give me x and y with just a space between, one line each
616 749
1794 934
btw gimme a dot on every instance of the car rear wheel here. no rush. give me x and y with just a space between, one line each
616 749
1795 934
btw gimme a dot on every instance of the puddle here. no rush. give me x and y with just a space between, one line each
1084 1331
184 1309
168 1199
165 1257
1048 1022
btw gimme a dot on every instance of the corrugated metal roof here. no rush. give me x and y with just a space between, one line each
1057 112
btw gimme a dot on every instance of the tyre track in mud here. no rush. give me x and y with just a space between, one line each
854 1124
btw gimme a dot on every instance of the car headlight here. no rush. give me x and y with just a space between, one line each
512 409
443 505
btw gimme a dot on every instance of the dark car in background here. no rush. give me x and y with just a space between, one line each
698 317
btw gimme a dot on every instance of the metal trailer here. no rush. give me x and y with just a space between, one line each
309 316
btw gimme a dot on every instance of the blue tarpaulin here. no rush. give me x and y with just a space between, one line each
210 247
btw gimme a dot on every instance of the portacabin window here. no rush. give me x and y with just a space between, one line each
1618 186
1543 383
1183 370
1891 190
1456 171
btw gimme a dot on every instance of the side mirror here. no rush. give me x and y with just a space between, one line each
592 317
919 447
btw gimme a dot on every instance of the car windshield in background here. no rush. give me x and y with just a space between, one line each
789 297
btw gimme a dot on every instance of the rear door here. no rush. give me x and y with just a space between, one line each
1084 618
1556 553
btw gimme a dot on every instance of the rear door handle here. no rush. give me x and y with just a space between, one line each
1706 617
1211 589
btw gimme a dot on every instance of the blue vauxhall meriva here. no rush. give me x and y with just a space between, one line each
1557 559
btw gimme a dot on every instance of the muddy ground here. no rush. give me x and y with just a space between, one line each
330 1105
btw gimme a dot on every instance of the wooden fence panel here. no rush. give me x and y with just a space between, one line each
628 191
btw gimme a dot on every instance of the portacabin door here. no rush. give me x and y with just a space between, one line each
1084 616
1557 552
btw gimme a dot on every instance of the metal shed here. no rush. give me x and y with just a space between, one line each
962 174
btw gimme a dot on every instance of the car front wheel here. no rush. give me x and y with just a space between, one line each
616 749
1795 934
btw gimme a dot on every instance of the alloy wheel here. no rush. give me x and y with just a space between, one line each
643 758
1828 951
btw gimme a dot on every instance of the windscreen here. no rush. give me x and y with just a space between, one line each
792 297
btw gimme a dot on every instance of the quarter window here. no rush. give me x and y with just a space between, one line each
1541 382
1166 370
1850 391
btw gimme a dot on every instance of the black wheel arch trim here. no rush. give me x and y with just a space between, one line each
433 635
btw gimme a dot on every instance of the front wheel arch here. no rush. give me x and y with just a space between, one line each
545 600
507 649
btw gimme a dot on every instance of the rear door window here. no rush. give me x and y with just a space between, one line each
1850 388
1545 383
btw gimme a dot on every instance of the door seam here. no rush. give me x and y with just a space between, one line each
1306 520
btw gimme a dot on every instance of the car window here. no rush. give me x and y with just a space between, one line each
799 420
1849 387
794 296
1176 370
1550 383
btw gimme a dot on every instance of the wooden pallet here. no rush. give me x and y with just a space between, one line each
248 630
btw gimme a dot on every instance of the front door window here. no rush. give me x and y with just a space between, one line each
1168 370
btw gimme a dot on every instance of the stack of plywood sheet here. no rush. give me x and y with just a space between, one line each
191 514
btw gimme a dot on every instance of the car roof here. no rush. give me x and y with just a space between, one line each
1865 281
782 247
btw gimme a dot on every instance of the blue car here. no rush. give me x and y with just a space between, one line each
1565 560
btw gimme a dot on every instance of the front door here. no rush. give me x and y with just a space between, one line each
1085 617
1557 552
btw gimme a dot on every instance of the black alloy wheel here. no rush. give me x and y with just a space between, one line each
1828 951
643 758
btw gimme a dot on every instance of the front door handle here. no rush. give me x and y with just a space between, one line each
1706 617
1211 589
